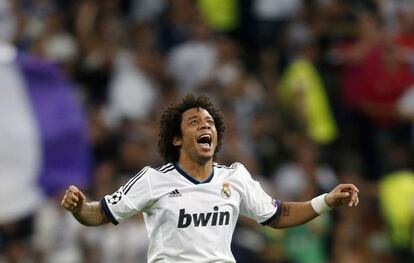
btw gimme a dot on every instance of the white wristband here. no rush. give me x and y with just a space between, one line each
319 205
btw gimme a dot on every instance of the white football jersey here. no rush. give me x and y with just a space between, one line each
188 220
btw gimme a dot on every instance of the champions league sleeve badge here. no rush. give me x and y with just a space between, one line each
225 190
115 198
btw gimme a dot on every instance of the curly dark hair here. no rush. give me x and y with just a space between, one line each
170 125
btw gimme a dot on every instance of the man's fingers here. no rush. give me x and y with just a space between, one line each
69 203
73 188
349 198
76 192
80 196
354 198
354 201
351 187
67 206
72 198
349 193
72 202
342 195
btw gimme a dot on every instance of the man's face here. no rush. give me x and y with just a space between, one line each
198 139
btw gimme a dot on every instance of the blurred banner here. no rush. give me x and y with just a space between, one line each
43 135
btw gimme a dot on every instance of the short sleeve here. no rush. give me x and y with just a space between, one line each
255 202
129 199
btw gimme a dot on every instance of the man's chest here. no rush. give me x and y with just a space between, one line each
203 205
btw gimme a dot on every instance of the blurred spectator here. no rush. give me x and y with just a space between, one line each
391 11
271 17
32 15
304 174
176 25
267 136
268 72
404 36
98 31
308 243
57 234
297 180
126 243
373 79
55 43
302 93
221 16
147 11
191 63
405 105
134 88
396 195
8 24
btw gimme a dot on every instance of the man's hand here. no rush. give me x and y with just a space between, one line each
343 194
73 200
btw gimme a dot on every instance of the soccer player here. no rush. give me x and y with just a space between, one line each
191 204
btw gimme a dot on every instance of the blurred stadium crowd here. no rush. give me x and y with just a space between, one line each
313 92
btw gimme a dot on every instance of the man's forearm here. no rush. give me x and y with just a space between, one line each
294 213
91 214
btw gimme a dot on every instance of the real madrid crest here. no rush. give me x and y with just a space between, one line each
225 190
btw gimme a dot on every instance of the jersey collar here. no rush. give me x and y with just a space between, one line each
192 179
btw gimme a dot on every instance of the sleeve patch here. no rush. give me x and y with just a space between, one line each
115 197
276 203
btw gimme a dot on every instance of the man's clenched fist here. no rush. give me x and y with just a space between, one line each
73 199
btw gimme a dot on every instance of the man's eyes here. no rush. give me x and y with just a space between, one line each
196 122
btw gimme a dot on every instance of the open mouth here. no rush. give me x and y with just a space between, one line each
205 140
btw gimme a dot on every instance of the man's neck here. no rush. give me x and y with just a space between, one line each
199 171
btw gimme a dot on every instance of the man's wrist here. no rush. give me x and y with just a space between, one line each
319 204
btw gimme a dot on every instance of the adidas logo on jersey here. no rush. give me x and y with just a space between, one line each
203 219
174 193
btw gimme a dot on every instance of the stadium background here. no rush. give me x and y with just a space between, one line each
313 93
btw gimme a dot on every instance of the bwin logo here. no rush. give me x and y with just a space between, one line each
202 219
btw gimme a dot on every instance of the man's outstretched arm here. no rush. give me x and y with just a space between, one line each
296 213
87 213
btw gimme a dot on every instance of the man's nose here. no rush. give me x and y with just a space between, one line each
205 125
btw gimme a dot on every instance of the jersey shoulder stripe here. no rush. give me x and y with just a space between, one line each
164 167
133 180
233 166
168 170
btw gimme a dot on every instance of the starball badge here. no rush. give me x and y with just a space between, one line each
225 190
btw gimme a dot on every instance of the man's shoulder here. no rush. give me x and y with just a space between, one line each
159 170
237 166
163 169
228 167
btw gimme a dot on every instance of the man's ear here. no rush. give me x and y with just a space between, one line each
177 141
